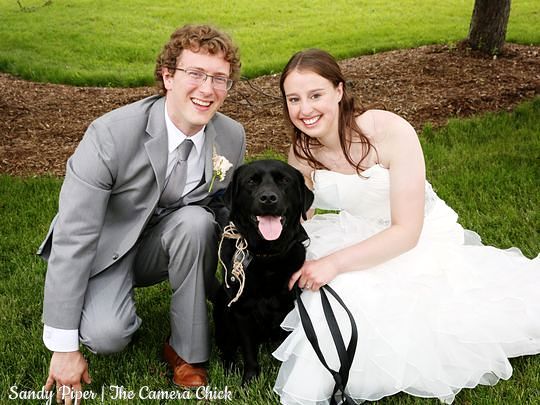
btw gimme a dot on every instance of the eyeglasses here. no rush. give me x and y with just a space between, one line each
199 77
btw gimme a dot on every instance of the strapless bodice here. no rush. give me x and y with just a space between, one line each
366 196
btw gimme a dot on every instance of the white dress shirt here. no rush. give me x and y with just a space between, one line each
195 161
67 340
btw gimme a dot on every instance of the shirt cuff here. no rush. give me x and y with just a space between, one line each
61 340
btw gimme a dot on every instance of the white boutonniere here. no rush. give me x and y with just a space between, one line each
220 166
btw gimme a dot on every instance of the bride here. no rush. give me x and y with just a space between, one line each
436 310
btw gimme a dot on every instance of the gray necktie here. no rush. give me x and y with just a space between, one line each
177 179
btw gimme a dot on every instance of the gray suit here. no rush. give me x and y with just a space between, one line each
105 237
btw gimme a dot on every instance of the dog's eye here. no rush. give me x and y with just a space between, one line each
280 178
283 180
252 182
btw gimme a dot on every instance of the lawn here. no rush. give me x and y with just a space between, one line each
486 168
97 42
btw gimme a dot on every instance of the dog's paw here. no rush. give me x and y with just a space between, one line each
250 374
228 364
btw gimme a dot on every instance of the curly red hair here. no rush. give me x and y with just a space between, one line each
195 38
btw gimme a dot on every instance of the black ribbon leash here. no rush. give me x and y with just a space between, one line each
346 355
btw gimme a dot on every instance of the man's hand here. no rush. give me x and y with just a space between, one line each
68 370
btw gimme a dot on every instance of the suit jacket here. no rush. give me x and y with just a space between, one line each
111 189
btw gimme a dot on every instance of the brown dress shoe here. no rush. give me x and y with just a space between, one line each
184 374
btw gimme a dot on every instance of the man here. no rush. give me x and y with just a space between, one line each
140 204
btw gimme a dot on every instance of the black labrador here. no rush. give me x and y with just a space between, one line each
262 247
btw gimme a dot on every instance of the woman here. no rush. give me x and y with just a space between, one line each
436 310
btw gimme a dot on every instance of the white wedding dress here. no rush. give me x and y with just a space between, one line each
444 316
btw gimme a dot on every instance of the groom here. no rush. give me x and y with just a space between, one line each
136 208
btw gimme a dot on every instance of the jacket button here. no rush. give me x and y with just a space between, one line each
115 256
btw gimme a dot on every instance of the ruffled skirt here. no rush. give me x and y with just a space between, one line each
444 316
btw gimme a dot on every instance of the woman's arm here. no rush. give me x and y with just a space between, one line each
400 151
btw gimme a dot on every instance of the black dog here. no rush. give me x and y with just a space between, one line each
266 198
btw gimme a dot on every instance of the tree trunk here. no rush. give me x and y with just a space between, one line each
487 31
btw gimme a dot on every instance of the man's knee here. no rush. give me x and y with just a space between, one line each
191 245
108 336
195 223
200 220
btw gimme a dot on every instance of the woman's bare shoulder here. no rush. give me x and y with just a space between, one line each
391 135
377 124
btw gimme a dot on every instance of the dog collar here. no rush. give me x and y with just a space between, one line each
241 259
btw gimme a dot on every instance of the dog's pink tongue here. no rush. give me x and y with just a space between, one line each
270 227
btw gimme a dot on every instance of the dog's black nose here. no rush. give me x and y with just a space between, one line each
268 198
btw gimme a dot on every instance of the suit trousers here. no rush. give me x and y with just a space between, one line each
180 247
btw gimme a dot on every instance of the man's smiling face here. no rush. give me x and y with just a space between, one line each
191 105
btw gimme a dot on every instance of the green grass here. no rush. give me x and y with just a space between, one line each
98 42
486 168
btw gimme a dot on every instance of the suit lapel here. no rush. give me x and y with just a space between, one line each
157 146
209 150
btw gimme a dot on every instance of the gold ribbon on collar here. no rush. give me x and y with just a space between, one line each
240 256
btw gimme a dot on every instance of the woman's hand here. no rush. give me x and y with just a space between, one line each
314 274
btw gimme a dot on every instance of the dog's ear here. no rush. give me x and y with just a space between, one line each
306 195
229 191
232 189
308 198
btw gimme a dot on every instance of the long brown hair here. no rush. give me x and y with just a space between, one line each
322 63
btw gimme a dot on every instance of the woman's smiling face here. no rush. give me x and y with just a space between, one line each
313 103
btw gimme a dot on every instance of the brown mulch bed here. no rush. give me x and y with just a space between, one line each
40 124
